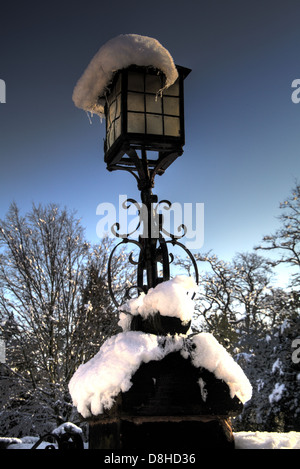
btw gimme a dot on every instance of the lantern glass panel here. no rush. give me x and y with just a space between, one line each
117 127
153 104
118 85
153 83
135 102
136 82
136 122
112 112
172 90
172 126
154 124
171 106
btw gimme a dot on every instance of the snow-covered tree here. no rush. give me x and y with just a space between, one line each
54 310
231 294
286 240
257 322
267 359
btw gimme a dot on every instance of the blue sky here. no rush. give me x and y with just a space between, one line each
241 156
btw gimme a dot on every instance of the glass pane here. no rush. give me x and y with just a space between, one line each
153 83
118 106
172 126
112 111
111 137
171 106
153 103
136 123
118 85
111 97
135 102
172 90
154 124
135 81
107 138
117 128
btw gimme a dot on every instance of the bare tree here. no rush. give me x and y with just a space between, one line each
55 309
232 293
286 240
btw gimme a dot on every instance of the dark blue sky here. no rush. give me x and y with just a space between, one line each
242 129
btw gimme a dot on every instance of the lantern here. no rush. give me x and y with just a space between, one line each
142 115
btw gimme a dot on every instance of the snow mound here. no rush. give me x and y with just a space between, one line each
116 54
171 298
67 427
211 355
267 440
96 383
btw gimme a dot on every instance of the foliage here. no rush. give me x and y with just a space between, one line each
55 311
258 323
286 240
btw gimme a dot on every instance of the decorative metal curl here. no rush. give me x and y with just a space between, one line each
124 241
161 228
174 242
152 249
116 226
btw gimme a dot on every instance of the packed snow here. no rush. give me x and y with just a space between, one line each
95 384
212 356
243 440
67 427
267 440
116 54
172 298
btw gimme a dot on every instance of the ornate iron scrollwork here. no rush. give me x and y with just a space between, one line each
152 245
153 250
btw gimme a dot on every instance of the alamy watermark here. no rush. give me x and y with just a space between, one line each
296 352
295 96
2 91
131 218
2 351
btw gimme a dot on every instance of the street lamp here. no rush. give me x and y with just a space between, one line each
133 82
135 85
143 118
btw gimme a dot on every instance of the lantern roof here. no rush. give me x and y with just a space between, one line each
119 53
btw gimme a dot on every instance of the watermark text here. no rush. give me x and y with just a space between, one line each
295 96
2 91
296 352
133 219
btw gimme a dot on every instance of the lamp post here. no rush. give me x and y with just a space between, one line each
144 135
172 387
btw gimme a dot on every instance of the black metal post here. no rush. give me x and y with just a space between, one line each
154 256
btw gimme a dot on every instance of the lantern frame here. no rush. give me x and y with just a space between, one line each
119 109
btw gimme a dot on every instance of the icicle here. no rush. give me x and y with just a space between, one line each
89 115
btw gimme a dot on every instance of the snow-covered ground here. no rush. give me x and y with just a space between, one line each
266 440
243 440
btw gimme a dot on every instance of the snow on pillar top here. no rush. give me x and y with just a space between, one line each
118 53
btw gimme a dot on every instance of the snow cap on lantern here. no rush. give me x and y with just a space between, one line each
118 53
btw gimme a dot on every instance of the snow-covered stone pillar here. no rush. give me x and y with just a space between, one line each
146 391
